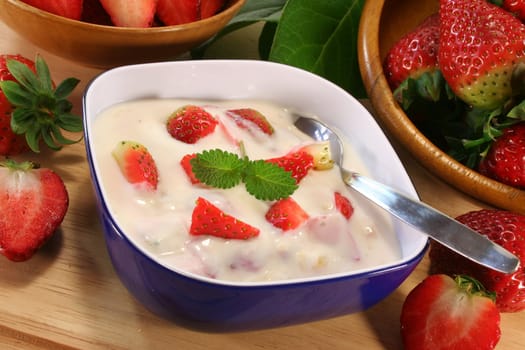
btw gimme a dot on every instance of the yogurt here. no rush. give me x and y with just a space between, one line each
158 222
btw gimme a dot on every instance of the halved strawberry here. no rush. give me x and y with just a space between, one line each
131 13
93 12
190 123
209 8
299 162
186 165
173 12
445 313
66 8
208 219
248 118
343 205
33 203
137 164
286 214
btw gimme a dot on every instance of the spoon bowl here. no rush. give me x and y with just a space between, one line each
440 227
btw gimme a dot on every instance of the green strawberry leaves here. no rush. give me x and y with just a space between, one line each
41 111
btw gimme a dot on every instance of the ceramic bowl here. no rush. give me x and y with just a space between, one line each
382 24
222 305
104 46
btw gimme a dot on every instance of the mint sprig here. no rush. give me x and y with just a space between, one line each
263 180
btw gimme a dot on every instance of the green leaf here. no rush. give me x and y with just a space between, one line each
252 12
70 122
66 87
218 168
267 181
16 95
23 75
222 169
321 37
43 74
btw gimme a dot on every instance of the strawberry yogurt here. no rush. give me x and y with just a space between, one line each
158 221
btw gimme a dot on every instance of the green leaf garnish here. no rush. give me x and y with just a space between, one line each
263 180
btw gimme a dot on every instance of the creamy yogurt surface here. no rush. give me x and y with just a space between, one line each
158 222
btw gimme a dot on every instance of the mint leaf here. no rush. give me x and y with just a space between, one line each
267 181
218 168
222 169
321 37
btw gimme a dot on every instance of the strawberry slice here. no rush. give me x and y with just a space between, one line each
248 118
286 214
33 202
446 313
130 13
137 164
93 12
207 219
298 163
343 205
186 165
210 7
173 12
190 123
66 8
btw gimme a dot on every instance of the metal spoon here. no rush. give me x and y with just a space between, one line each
421 216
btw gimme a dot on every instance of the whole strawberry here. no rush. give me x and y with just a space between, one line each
413 54
442 313
33 202
480 45
10 143
505 160
504 228
37 109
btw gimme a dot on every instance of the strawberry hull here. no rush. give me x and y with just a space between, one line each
202 302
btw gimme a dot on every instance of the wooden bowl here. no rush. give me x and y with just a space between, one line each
382 24
104 46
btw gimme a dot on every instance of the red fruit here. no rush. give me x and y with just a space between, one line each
442 313
136 164
93 12
343 205
10 143
298 163
131 13
207 219
286 214
414 54
504 228
173 12
480 45
186 165
248 118
66 8
41 114
33 203
505 160
190 123
517 7
209 8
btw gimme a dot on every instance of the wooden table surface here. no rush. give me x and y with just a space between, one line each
68 296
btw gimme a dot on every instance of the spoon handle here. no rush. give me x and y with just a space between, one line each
435 224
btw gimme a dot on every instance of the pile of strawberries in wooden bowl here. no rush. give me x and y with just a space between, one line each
110 33
459 114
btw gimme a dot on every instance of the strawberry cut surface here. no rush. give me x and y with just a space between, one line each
174 12
442 313
33 204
